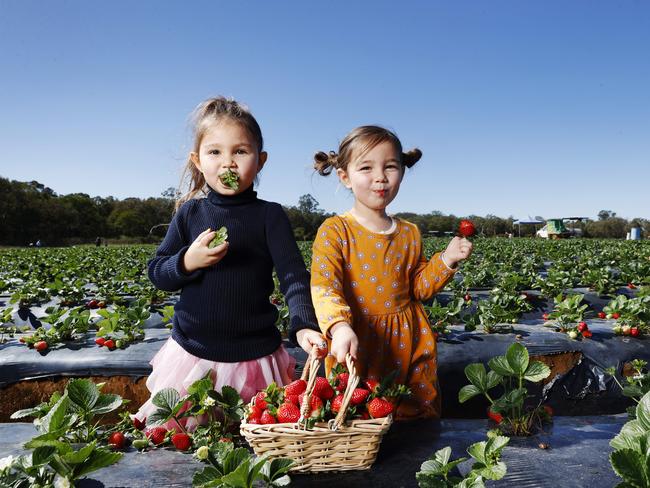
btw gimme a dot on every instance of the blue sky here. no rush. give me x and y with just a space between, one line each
520 108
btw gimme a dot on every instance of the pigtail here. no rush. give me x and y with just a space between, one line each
324 162
409 158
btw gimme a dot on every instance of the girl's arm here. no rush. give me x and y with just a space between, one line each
166 268
291 271
429 276
327 278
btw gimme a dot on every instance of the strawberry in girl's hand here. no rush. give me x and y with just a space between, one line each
323 389
295 387
379 407
157 435
288 413
466 228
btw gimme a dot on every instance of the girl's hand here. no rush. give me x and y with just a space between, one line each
308 338
457 250
344 341
199 255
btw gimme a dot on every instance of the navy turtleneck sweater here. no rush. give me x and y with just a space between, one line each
224 313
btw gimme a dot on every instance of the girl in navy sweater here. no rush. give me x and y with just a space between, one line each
224 322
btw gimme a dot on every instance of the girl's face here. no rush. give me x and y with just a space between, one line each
227 145
375 177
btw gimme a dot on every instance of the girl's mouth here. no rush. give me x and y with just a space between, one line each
381 193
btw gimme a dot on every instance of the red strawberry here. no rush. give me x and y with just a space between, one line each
92 304
337 401
117 440
22 339
254 421
359 395
295 387
267 418
549 410
255 412
602 315
292 399
225 439
634 332
631 286
379 407
616 315
372 385
495 416
260 402
323 389
157 435
316 405
288 413
139 424
341 381
182 441
40 346
365 415
586 334
466 228
582 326
468 297
100 341
110 343
545 316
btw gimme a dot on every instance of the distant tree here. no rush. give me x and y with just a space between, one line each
308 204
606 214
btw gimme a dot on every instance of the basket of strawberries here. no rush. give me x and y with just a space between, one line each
322 426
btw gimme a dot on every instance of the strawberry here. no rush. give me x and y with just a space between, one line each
100 341
182 441
139 424
634 331
157 435
582 326
341 381
587 334
631 286
110 343
267 418
626 330
467 297
315 404
255 412
92 304
323 389
295 387
602 315
259 400
254 420
379 407
616 315
117 440
372 385
359 395
495 416
466 228
545 316
288 413
549 410
225 439
292 399
337 401
40 346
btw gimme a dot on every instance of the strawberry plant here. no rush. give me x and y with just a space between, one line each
442 316
632 315
567 313
124 325
229 466
436 471
631 457
509 373
64 325
637 383
492 316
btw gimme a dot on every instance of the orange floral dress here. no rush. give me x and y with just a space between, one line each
375 282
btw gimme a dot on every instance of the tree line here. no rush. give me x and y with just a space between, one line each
30 211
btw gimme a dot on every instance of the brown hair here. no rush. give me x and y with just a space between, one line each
359 142
204 116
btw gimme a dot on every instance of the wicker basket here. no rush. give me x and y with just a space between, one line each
328 446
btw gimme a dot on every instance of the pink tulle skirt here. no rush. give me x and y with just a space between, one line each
174 367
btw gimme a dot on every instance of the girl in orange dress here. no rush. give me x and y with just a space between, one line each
369 273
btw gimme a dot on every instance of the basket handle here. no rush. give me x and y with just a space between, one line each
353 382
309 374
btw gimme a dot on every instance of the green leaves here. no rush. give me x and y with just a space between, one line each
631 459
168 402
219 238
